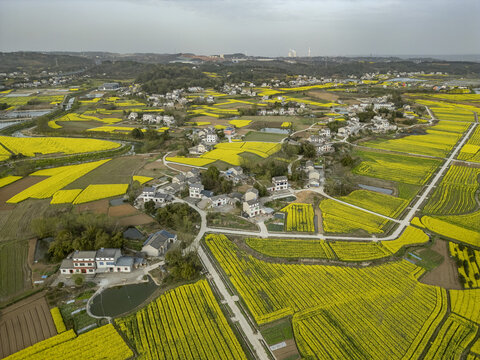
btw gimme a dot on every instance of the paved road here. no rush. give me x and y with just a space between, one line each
254 339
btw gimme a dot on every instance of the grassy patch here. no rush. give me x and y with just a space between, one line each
263 136
280 331
13 273
223 220
117 171
430 259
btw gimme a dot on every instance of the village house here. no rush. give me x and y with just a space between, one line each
251 207
251 194
279 183
96 262
157 244
219 200
132 116
195 190
199 149
235 174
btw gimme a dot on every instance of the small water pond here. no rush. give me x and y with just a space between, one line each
377 189
118 300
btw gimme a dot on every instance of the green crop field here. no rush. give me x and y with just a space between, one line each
344 219
13 268
401 168
380 203
456 193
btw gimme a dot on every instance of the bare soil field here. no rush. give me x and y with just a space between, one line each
323 95
8 191
446 274
140 219
287 352
24 324
16 226
116 171
98 207
122 210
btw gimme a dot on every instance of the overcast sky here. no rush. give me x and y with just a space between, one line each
261 27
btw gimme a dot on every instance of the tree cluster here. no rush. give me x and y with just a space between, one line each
211 180
179 217
71 232
182 267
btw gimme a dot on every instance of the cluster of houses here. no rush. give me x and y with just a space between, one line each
208 138
99 261
167 120
107 260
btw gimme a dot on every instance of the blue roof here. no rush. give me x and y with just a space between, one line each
167 234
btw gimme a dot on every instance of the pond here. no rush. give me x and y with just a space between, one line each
377 189
118 300
275 130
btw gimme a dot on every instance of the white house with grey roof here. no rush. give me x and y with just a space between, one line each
157 244
99 261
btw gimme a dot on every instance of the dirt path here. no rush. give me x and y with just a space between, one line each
446 274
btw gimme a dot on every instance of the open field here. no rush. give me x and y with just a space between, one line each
90 345
463 228
299 217
263 136
456 192
434 143
380 203
184 323
24 324
470 264
471 150
230 153
58 178
445 275
336 250
353 319
54 145
14 273
401 168
344 219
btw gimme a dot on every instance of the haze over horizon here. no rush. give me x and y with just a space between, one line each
267 28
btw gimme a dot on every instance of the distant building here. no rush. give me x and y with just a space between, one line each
109 86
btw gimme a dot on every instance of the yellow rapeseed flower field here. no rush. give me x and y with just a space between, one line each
55 145
65 196
142 179
102 191
58 178
8 180
183 323
103 343
334 307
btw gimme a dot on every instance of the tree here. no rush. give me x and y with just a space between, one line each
136 133
262 190
149 207
308 150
